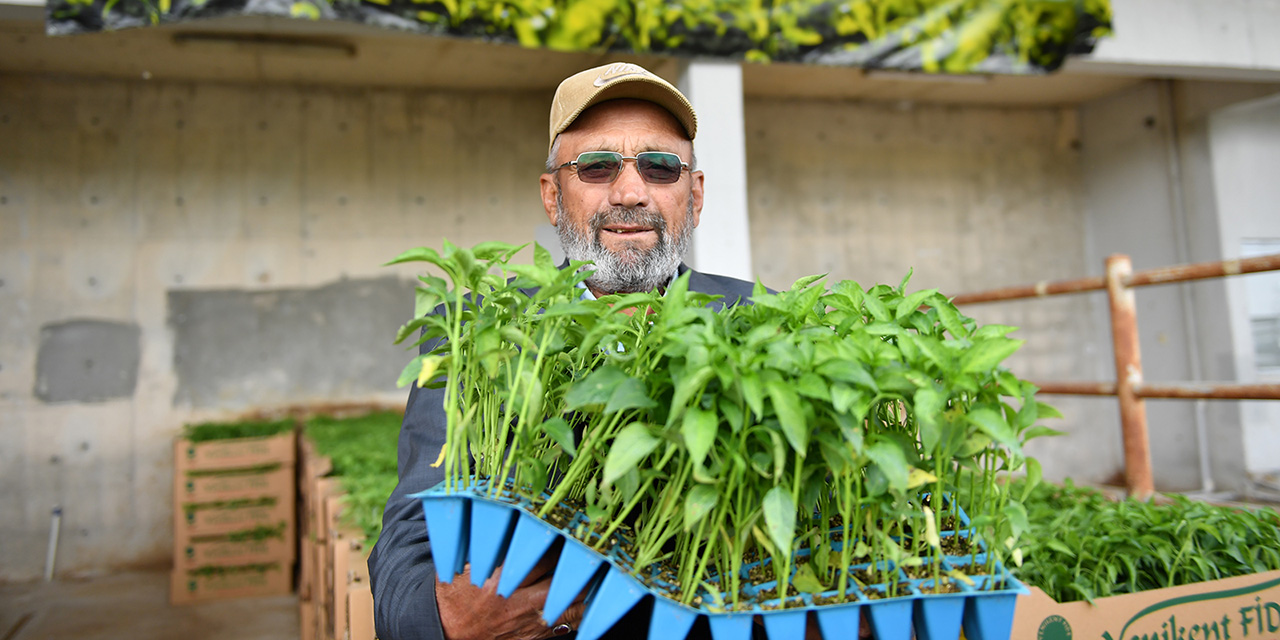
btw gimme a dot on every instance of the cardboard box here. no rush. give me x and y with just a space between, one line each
235 453
186 586
324 590
342 549
312 464
306 620
201 551
235 485
324 488
202 519
360 610
1245 607
306 569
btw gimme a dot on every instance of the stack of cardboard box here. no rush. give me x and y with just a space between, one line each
334 599
234 520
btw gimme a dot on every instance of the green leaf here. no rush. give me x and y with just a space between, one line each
732 413
985 355
877 309
933 350
813 386
420 254
753 393
843 397
786 403
630 394
629 483
492 250
992 423
889 457
535 275
542 257
973 444
884 329
1034 476
780 519
596 389
848 371
993 331
1016 515
806 580
530 393
1048 411
700 501
1040 431
919 477
410 372
560 432
928 406
834 452
852 429
424 301
632 445
949 316
699 431
779 454
804 282
687 386
911 303
574 309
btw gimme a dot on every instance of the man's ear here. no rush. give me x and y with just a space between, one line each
696 193
550 189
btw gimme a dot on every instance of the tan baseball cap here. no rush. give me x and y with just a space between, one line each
586 89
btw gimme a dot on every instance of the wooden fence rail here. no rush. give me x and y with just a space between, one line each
1119 283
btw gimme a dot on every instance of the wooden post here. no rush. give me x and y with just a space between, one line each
1133 409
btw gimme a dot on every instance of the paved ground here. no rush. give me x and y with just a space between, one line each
135 606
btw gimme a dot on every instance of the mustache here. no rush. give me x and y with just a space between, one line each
630 216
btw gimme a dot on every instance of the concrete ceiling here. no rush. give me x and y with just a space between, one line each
279 50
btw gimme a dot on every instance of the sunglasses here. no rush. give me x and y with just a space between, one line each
603 167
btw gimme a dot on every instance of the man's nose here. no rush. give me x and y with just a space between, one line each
629 189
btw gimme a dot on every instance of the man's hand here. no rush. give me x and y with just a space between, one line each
468 612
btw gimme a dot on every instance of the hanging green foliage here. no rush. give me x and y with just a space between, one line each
952 36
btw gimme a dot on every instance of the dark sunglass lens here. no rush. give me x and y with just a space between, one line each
598 167
659 168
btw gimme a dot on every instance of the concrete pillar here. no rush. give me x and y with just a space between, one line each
722 243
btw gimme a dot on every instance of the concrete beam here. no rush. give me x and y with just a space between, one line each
722 244
1206 39
22 10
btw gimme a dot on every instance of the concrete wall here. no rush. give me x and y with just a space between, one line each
1151 189
176 251
970 198
1245 142
173 252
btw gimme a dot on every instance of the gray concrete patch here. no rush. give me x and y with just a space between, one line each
87 361
234 348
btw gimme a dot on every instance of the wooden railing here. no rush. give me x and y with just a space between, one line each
1119 283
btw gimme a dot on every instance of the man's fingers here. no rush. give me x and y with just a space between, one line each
573 615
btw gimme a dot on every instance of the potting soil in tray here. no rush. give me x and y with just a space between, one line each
468 526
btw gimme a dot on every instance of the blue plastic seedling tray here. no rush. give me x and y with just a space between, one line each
469 527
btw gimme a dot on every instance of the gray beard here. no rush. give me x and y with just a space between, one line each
632 269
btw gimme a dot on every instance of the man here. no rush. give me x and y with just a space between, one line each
622 190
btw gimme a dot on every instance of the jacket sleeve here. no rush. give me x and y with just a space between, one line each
401 571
